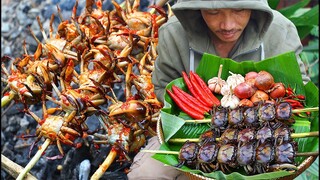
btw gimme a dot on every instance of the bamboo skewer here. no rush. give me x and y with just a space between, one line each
105 165
34 160
13 168
293 135
316 153
181 140
160 151
306 134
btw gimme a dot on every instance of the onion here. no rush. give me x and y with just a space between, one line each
251 82
244 90
259 96
250 75
264 80
277 91
245 103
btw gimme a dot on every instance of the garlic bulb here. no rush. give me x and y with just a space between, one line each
215 84
234 80
230 100
225 90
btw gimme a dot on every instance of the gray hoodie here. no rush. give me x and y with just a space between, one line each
185 37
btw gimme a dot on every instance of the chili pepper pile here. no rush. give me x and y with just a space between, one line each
199 101
297 101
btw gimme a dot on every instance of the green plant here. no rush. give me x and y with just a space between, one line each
310 56
306 19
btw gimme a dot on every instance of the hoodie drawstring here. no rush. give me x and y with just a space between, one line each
262 51
191 59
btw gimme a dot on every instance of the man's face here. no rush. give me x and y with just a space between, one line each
226 24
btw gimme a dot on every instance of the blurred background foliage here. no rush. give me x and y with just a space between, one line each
305 15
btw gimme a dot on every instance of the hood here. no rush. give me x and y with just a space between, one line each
188 13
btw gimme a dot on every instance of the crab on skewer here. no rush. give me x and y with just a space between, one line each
56 129
142 22
23 87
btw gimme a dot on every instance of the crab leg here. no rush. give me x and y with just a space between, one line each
128 87
45 37
160 4
160 151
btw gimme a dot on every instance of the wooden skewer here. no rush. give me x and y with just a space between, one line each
316 153
293 135
105 165
34 160
13 168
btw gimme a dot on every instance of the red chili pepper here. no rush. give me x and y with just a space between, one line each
200 93
187 102
187 81
291 100
189 99
206 89
191 88
289 91
301 97
289 97
294 103
184 107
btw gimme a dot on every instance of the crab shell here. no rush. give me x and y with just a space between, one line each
52 128
133 110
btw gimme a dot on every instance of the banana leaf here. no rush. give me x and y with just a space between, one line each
306 22
283 67
290 10
273 3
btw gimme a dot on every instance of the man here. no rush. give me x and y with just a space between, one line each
235 29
